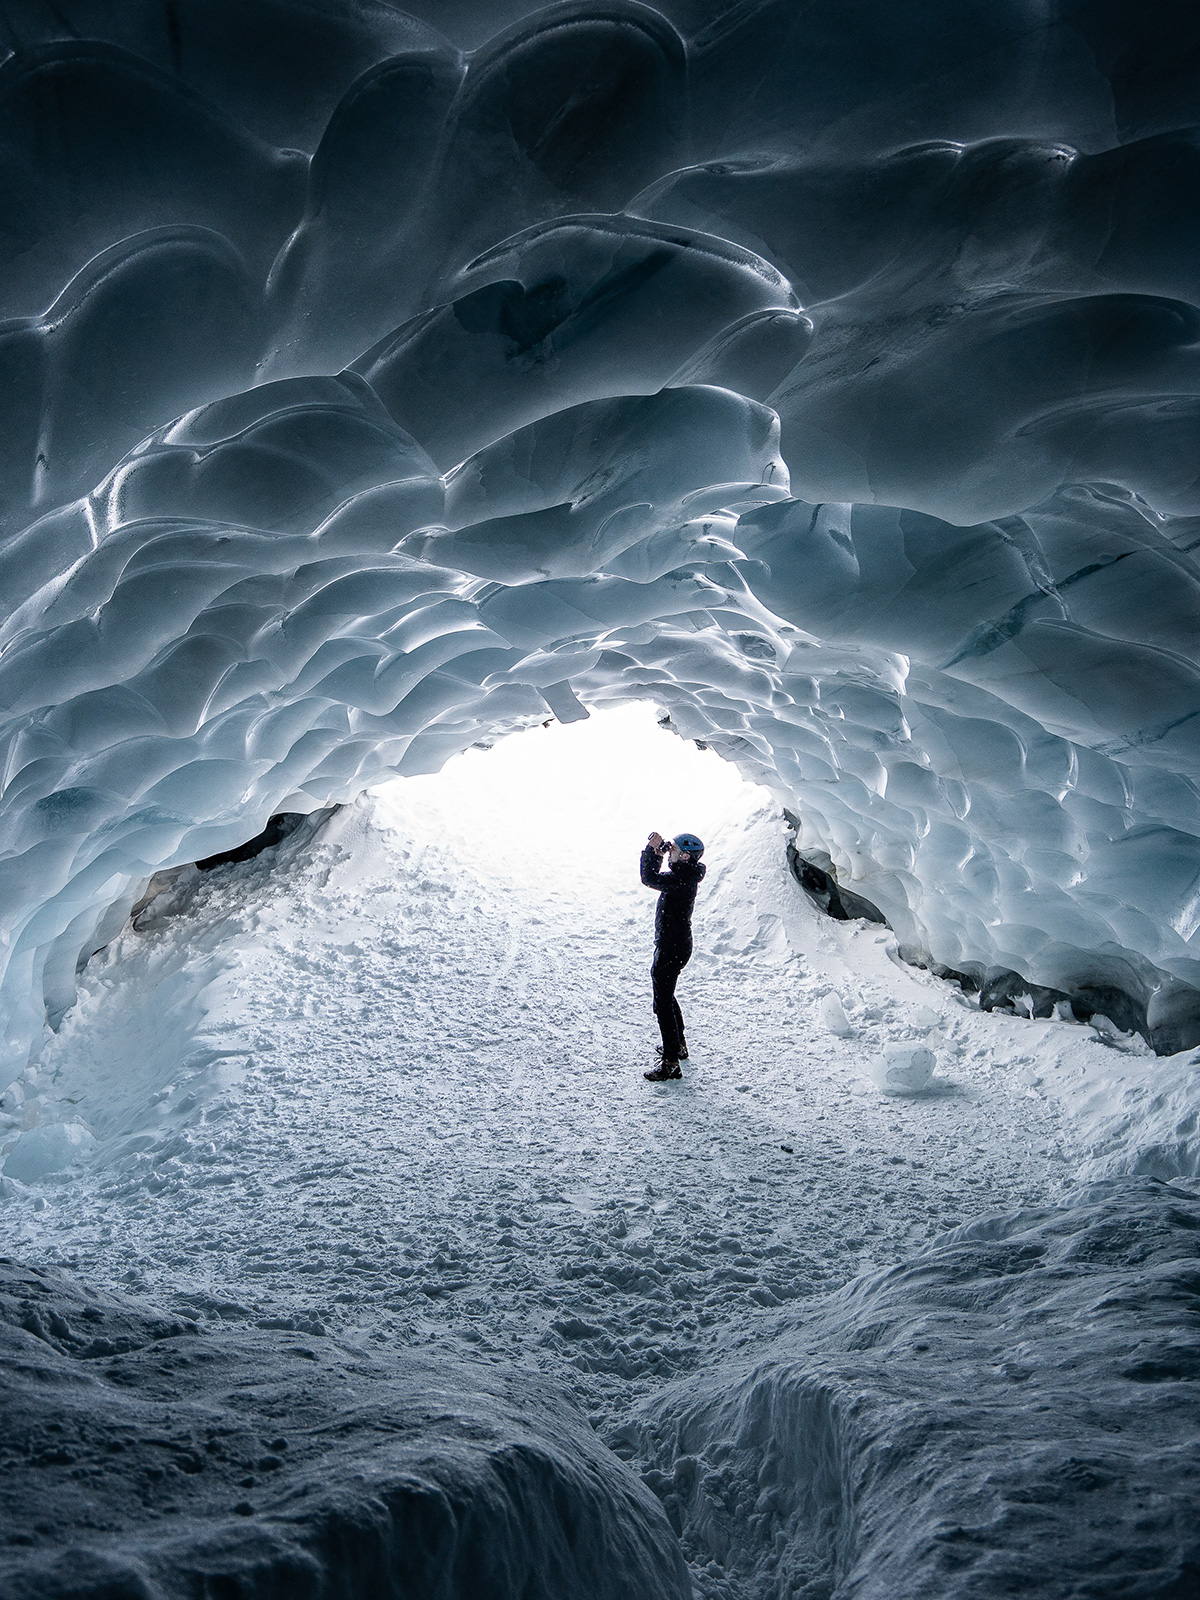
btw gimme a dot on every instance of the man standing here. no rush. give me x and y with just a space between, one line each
672 936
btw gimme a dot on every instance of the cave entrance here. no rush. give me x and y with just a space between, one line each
568 807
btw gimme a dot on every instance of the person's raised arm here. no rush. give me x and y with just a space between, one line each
652 861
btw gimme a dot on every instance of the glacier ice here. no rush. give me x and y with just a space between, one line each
905 1068
374 384
833 1016
828 376
43 1150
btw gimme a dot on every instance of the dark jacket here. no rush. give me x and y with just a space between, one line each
676 897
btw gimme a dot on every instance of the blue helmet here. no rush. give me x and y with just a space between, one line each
689 843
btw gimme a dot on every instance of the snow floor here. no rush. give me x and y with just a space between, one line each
393 1087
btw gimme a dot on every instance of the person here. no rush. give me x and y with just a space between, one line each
672 937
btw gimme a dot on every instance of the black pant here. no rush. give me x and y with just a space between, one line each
664 975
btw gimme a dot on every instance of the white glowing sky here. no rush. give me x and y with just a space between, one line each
577 799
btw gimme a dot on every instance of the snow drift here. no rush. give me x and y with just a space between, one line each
1011 1412
147 1458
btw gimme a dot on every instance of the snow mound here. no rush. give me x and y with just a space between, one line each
840 399
145 1458
1012 1411
1134 1116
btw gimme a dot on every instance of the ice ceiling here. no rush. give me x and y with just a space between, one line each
826 373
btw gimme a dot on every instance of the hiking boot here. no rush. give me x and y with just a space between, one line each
683 1055
668 1069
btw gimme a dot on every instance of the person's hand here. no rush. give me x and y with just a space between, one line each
656 841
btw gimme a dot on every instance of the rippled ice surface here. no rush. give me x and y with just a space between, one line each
396 1087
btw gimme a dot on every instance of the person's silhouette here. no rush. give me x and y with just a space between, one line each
676 889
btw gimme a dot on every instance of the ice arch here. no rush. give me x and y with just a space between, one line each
828 374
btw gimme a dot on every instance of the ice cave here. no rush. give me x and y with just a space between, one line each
441 444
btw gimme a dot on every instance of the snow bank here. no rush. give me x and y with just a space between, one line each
1013 1411
146 1458
1133 1115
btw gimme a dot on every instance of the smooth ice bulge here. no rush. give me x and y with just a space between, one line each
828 376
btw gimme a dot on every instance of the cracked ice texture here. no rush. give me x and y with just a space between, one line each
827 374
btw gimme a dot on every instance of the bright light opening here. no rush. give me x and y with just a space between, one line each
578 799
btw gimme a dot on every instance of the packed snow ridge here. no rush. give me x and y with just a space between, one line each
828 376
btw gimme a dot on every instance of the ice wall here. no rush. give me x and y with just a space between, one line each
828 374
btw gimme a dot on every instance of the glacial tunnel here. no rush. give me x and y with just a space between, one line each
381 382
